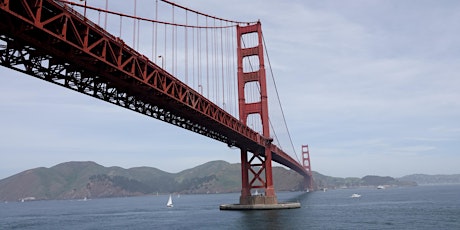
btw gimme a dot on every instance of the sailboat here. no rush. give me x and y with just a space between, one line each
170 203
355 195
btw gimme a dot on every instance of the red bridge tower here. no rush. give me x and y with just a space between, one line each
307 166
256 171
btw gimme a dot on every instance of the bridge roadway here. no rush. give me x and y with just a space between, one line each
49 40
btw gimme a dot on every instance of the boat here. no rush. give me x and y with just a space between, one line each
380 187
170 203
355 195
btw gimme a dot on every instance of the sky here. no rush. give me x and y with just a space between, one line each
372 87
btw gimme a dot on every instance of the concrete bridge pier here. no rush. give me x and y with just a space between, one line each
256 169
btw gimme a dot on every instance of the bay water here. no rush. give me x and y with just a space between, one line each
420 207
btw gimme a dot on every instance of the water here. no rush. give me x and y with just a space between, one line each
422 207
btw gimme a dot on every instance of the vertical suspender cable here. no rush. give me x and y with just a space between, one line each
163 59
215 78
222 64
156 32
172 43
134 25
193 57
198 55
138 29
216 62
138 32
121 23
207 61
106 9
235 89
228 70
186 48
175 47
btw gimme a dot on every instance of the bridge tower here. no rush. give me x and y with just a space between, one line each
257 170
307 166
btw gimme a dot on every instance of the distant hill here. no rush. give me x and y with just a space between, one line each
432 179
76 180
323 181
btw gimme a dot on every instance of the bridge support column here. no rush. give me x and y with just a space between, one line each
269 188
256 173
245 187
306 164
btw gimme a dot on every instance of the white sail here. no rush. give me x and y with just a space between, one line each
170 203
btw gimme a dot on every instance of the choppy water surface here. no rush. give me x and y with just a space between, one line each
422 207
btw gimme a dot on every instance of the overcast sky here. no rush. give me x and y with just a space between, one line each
372 87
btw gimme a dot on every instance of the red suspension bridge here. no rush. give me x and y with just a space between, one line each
195 71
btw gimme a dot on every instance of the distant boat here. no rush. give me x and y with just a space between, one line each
30 198
355 195
380 187
170 203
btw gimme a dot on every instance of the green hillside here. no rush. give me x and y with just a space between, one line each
77 180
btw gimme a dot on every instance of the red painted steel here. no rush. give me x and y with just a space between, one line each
52 29
49 40
306 164
259 170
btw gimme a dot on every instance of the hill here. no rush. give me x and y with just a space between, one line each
76 180
432 179
322 181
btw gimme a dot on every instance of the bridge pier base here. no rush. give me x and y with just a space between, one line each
258 206
258 200
266 200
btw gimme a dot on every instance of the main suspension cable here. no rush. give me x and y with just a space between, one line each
161 22
279 100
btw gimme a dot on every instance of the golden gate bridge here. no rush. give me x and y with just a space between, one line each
190 69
